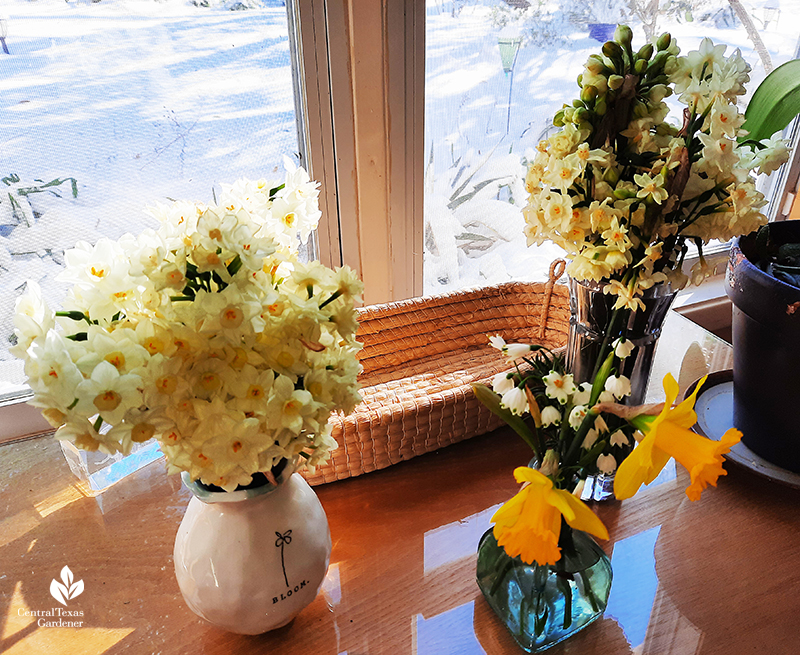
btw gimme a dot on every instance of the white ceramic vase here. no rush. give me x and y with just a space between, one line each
250 560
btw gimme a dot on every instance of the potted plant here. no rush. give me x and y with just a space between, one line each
762 282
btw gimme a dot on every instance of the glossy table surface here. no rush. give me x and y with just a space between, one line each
721 575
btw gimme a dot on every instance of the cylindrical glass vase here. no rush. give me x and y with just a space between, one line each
591 314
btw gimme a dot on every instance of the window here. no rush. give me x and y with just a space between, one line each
109 107
362 98
497 71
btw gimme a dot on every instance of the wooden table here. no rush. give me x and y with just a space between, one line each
718 576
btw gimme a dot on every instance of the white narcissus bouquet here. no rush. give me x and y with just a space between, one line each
207 334
623 190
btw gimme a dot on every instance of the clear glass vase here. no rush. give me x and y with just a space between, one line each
543 605
591 316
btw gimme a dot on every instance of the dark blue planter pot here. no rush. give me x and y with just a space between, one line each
602 32
766 352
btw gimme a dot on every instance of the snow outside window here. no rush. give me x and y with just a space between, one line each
113 105
497 71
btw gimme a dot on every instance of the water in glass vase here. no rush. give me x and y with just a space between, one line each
543 605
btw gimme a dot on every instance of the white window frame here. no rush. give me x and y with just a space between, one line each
363 100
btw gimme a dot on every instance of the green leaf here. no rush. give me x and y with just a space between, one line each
492 402
775 102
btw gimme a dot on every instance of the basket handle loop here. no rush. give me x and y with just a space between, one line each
557 269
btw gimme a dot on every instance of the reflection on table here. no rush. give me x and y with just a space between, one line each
717 576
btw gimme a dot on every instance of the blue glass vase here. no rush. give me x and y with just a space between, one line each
543 605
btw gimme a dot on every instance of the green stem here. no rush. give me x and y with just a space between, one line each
333 297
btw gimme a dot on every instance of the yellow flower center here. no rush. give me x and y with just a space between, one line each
236 446
215 234
167 384
154 345
116 359
231 317
98 272
141 432
285 359
107 401
210 382
239 359
255 391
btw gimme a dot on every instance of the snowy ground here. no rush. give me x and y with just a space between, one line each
139 101
144 100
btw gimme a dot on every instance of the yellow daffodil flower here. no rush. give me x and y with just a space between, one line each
667 436
529 524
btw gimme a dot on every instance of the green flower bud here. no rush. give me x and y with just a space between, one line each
580 79
568 113
588 94
600 107
615 82
663 41
622 194
595 65
612 51
640 66
645 52
577 103
558 119
657 65
581 115
611 175
657 93
640 109
623 35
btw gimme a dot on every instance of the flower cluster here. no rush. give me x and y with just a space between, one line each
207 334
578 431
622 189
559 407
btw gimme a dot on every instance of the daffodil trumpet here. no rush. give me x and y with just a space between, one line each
668 436
529 525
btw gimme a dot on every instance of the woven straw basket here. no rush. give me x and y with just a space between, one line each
420 357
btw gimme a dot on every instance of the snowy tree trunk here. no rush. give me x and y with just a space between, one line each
752 34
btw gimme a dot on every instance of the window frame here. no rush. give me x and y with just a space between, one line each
354 86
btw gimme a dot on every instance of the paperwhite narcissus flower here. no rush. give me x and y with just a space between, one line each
619 386
606 464
32 319
515 400
558 387
108 393
203 335
550 416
